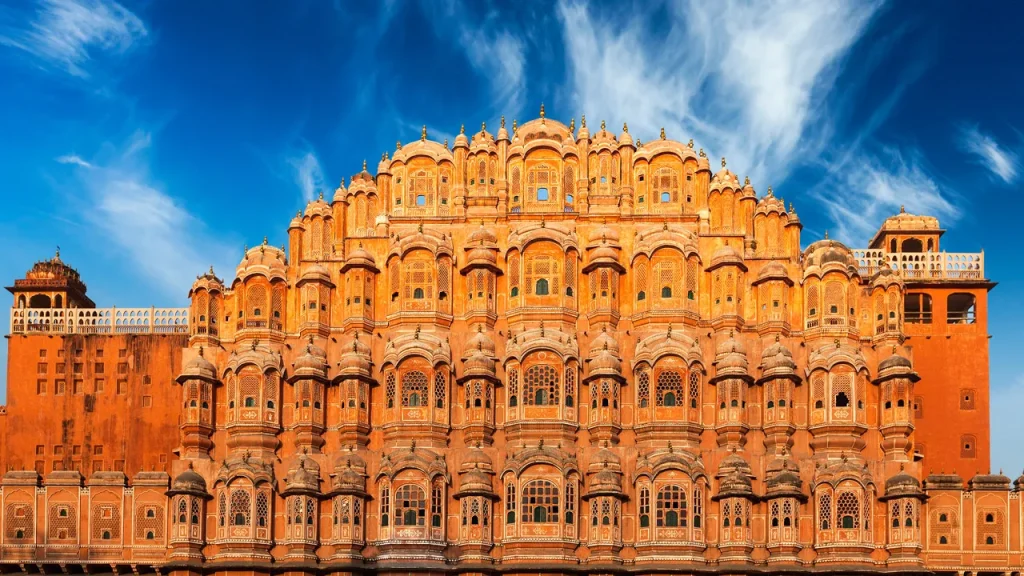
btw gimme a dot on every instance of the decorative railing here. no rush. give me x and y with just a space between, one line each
99 320
923 265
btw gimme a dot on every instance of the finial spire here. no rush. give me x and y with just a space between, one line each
625 128
746 180
826 234
57 255
723 161
321 196
462 129
583 121
364 164
572 126
662 132
770 193
446 143
602 126
398 144
502 120
702 154
542 110
903 210
423 132
690 144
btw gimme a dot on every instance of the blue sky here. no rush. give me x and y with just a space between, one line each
153 139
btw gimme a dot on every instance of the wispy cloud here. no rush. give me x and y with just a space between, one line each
67 34
166 242
499 56
746 79
496 53
1002 162
308 175
859 199
73 159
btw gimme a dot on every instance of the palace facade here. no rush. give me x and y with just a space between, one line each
538 351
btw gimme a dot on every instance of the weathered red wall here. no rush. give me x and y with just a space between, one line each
143 437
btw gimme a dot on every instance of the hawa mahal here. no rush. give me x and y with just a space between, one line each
544 350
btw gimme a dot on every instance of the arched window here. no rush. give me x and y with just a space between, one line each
542 287
240 507
414 389
644 507
666 291
510 504
671 506
641 295
540 386
960 308
418 294
540 502
542 194
848 510
670 389
410 506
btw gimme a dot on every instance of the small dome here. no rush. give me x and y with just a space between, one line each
481 236
769 204
604 252
777 360
478 362
724 179
480 341
886 277
315 272
726 255
200 367
894 361
772 271
476 458
735 477
303 476
189 481
902 483
605 363
482 255
461 139
625 139
729 345
782 477
349 475
604 341
361 258
313 358
356 360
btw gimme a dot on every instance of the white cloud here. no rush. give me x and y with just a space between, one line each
499 56
1007 426
73 159
496 53
154 230
867 188
308 174
745 79
67 33
1000 161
